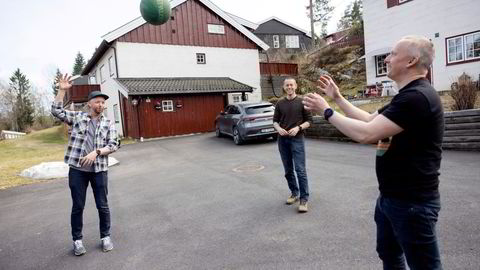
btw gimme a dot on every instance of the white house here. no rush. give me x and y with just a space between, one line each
201 53
452 26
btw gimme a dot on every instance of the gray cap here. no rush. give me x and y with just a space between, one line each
95 94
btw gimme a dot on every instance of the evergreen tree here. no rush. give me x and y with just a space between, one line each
322 12
58 75
78 65
352 18
23 108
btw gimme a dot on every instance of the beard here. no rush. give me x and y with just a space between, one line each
98 110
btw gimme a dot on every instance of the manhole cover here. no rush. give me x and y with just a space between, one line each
249 168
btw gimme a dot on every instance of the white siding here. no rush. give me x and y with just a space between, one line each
154 60
383 27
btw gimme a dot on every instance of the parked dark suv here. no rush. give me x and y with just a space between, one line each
246 121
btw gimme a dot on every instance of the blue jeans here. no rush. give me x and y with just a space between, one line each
407 230
78 182
292 152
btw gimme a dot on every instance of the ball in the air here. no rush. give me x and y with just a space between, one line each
155 12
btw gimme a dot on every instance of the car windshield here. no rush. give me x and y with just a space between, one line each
267 108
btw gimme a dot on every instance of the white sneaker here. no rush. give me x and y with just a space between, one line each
78 248
107 244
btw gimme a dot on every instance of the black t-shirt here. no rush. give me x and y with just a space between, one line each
407 164
291 113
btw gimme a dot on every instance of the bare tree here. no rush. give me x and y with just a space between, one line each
320 12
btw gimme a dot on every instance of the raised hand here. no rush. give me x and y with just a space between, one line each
327 86
64 82
315 103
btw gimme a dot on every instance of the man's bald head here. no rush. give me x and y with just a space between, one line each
421 48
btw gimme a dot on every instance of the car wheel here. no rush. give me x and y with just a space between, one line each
218 133
237 138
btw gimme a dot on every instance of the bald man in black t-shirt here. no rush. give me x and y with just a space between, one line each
409 132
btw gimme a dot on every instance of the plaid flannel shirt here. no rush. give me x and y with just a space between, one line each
105 135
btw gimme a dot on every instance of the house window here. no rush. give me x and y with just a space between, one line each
463 48
201 59
455 49
237 98
276 41
116 114
402 1
216 29
93 78
167 105
380 65
472 46
292 42
110 65
102 74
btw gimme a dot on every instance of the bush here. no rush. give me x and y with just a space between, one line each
43 122
463 93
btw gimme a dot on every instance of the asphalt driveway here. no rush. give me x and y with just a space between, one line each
201 202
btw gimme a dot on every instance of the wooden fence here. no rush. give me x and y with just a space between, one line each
9 135
462 130
79 93
278 69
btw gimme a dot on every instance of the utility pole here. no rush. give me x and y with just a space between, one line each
312 27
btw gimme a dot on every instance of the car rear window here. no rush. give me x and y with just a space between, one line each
260 109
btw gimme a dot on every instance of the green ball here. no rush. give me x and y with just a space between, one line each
155 12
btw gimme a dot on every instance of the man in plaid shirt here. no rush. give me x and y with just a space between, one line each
92 138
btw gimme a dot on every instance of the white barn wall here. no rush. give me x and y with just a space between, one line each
137 59
383 27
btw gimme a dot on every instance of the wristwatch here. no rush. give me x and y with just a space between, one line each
98 152
300 128
327 113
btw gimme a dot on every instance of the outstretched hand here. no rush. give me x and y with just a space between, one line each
315 103
327 86
64 82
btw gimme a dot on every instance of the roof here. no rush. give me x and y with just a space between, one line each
96 56
243 21
113 35
182 85
337 35
286 23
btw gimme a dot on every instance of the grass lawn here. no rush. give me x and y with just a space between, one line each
37 147
33 149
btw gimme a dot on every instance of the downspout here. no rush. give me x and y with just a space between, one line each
270 77
116 63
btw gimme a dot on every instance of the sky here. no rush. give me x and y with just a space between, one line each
38 36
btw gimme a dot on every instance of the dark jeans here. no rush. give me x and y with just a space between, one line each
407 230
78 182
292 152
